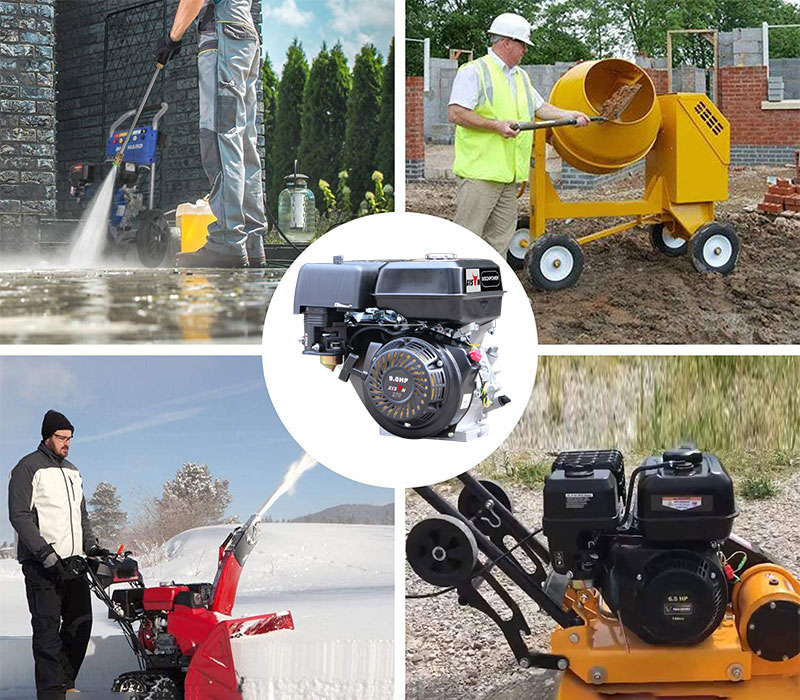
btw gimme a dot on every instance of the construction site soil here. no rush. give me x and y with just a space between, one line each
630 293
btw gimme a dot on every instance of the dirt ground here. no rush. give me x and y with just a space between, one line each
630 293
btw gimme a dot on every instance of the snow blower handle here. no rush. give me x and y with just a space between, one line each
549 124
117 160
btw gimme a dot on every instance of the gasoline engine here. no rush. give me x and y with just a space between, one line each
651 590
409 335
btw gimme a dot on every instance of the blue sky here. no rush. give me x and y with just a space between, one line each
138 419
351 22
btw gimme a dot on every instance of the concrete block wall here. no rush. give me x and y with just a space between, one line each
789 70
27 119
82 127
437 127
415 128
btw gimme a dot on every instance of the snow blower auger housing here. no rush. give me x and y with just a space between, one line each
184 630
408 335
653 594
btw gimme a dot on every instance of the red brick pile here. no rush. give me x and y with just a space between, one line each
784 195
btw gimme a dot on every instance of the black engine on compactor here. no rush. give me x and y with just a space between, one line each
656 556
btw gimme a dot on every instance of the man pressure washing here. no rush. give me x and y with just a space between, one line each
228 63
48 512
489 97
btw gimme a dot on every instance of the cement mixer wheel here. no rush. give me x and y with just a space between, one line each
554 261
520 244
664 242
715 248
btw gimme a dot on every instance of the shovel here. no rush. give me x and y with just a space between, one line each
612 108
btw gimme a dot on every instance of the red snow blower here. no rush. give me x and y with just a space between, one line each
184 630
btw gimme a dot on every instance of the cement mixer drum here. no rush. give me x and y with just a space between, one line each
603 147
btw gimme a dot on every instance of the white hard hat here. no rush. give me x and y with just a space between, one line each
512 26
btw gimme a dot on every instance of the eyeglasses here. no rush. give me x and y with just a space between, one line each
63 438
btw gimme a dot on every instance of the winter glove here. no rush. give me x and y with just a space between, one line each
53 566
73 567
166 48
97 551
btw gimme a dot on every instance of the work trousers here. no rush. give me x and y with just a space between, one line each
61 617
227 80
488 209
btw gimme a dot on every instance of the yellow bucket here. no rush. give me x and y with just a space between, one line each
193 221
603 147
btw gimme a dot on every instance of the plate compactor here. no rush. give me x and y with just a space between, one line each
409 336
684 141
653 594
182 642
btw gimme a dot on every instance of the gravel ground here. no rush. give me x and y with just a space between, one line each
458 653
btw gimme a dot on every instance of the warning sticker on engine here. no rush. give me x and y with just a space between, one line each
473 279
577 500
681 502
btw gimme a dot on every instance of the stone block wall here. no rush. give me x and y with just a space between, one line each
27 119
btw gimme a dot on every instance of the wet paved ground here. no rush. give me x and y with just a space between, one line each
134 305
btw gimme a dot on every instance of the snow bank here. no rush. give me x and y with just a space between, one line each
336 580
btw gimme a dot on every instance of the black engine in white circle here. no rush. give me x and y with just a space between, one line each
409 336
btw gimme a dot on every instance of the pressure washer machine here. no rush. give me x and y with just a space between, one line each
653 594
409 335
134 222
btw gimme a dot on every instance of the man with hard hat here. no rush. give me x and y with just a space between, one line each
490 95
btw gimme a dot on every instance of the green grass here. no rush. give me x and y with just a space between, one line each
757 486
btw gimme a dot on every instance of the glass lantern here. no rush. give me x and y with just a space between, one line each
297 213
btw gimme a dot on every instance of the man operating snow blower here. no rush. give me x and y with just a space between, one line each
228 64
48 512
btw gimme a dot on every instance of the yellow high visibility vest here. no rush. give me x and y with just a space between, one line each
486 155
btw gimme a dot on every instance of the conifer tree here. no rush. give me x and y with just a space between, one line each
323 120
105 515
269 85
362 128
286 142
384 160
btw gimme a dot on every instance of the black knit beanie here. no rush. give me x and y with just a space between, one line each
53 420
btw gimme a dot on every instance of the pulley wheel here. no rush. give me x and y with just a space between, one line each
474 508
520 243
554 261
153 238
664 242
442 550
715 248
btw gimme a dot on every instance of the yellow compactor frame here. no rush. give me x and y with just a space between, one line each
608 663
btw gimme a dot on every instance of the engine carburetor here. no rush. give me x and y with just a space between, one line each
409 335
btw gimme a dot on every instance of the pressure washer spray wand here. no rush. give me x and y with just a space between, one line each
117 160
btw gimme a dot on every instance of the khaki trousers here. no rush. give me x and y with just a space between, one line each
488 209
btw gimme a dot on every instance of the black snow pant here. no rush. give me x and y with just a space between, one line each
61 617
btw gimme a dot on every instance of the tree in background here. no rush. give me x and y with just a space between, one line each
286 141
106 517
384 159
323 118
269 86
194 498
362 128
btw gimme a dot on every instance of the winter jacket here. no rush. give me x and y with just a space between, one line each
46 506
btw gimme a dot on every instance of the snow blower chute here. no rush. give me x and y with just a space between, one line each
653 594
184 630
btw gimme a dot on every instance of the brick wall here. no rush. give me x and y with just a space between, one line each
83 78
27 116
415 129
742 89
660 78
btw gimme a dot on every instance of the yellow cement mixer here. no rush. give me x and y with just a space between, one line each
685 141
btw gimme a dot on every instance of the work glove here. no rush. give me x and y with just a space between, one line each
97 551
166 48
53 566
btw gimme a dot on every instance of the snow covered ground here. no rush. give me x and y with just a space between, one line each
335 579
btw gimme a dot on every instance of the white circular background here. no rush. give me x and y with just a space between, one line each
326 417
